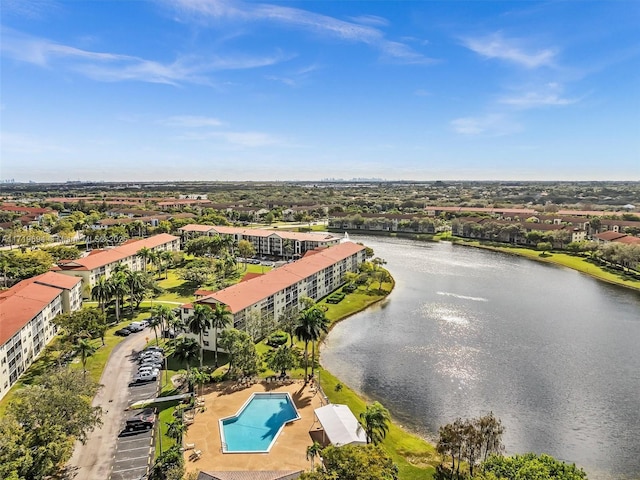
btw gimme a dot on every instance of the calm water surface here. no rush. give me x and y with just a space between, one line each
552 352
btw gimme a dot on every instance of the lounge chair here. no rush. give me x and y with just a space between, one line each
189 446
195 455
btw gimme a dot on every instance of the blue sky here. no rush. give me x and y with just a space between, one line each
304 90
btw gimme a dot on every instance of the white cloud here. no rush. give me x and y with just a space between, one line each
191 121
495 46
373 20
366 33
487 125
111 67
242 139
548 95
537 99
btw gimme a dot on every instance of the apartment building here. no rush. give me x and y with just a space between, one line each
315 275
26 311
266 242
102 262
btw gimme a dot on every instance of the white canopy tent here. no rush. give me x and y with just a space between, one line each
340 426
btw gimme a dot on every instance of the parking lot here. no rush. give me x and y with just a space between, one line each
134 450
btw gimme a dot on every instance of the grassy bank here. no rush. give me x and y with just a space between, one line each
578 263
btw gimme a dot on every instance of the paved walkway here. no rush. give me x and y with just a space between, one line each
92 461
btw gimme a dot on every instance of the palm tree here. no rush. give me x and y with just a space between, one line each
200 377
118 286
136 287
154 322
375 421
166 258
145 254
176 429
85 349
313 451
164 313
185 350
198 323
101 292
221 317
311 324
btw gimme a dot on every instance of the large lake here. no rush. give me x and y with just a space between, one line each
553 353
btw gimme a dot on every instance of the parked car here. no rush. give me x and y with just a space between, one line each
153 349
144 323
151 358
152 364
136 327
123 332
148 376
148 369
169 333
141 421
150 353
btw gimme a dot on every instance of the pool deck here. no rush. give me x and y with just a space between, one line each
289 452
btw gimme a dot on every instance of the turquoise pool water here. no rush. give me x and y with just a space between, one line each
258 423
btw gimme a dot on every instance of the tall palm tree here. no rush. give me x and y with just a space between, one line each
198 323
166 258
85 349
311 324
154 322
176 430
136 283
119 288
313 451
221 317
102 292
200 377
165 314
145 254
185 350
375 421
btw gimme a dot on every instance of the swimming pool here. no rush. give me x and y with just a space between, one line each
258 423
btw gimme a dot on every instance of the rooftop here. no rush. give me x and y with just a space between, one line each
244 294
25 300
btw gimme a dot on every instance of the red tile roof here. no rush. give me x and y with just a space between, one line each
244 294
609 236
22 302
259 232
105 257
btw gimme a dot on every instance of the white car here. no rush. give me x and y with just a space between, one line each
148 368
149 376
151 357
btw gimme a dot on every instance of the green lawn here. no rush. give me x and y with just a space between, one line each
165 416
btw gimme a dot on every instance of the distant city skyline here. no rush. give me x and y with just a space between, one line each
183 90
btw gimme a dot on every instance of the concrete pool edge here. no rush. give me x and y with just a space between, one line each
224 447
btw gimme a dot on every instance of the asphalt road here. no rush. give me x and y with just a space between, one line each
93 460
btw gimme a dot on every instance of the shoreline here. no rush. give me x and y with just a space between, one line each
507 249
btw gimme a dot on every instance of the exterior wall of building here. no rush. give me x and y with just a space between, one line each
135 263
315 286
19 352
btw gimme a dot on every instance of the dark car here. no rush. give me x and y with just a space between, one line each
123 332
141 421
